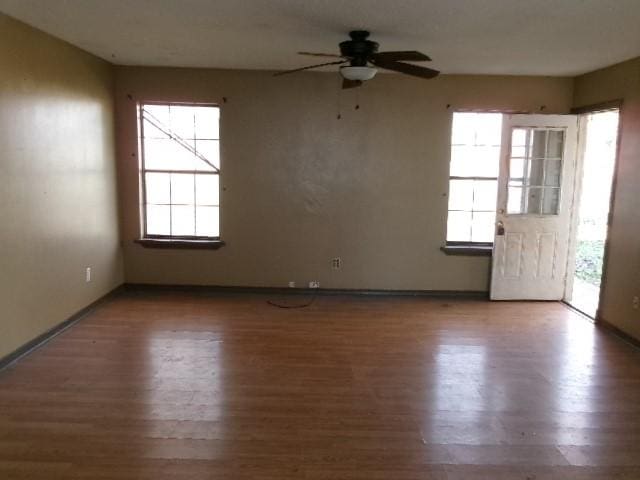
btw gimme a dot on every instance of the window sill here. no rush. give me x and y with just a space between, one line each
180 244
469 250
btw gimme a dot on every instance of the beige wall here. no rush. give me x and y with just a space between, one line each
302 186
623 266
58 210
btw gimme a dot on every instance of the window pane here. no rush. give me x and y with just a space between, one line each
475 154
484 195
518 137
152 131
210 150
183 121
180 138
461 158
158 220
182 188
482 226
157 185
159 113
461 195
489 128
207 122
208 221
207 189
463 131
487 162
166 154
459 227
182 220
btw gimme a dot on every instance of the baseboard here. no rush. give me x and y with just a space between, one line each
142 287
611 328
57 330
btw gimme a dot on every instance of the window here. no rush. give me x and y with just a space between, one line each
180 171
535 170
473 178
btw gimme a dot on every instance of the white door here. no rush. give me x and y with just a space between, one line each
535 197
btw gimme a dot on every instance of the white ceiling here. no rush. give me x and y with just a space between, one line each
537 37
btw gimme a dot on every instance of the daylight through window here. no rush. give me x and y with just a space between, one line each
473 178
180 170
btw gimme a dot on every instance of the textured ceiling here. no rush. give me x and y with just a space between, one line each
537 37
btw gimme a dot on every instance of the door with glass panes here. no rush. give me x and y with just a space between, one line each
535 197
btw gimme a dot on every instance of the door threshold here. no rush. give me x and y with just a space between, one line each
577 310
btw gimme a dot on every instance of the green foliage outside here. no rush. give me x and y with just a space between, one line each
589 261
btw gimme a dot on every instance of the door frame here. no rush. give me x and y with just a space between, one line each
582 111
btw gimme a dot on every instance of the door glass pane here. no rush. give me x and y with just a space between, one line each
533 200
550 201
538 143
515 200
536 172
552 175
535 178
555 144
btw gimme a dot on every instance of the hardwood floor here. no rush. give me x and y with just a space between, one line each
170 385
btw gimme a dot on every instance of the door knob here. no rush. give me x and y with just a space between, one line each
500 228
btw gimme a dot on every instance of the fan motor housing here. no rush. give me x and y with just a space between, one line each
358 49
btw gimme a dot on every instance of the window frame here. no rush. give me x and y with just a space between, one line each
174 241
457 247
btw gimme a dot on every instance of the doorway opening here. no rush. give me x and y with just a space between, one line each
596 167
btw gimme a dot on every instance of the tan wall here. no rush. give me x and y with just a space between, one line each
302 186
623 266
58 204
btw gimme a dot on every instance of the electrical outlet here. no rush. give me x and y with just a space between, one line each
292 284
336 263
636 302
87 275
314 284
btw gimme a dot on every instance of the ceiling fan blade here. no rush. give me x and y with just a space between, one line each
407 56
350 83
406 68
312 54
309 67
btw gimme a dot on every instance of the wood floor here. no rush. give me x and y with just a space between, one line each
170 385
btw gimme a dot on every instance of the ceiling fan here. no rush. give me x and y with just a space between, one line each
360 53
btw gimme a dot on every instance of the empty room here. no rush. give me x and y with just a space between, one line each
320 240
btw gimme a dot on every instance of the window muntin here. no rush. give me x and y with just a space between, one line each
535 171
473 180
180 167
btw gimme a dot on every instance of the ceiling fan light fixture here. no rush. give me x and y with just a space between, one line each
358 73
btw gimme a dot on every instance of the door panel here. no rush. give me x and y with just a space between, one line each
535 192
